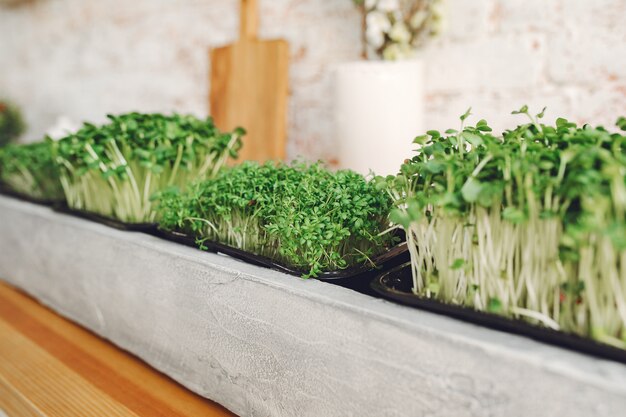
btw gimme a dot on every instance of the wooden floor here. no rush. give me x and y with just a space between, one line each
52 367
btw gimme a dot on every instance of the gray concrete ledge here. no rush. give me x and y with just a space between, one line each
264 343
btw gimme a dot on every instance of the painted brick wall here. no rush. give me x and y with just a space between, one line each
84 58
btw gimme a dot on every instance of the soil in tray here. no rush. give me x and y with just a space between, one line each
107 221
394 256
397 283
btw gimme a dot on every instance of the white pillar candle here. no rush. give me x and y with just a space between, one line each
378 112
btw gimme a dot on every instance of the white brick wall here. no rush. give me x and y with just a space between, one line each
85 58
569 55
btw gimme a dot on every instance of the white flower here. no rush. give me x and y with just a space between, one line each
370 4
438 26
397 51
438 19
391 52
400 33
378 22
388 5
375 37
392 33
418 19
438 8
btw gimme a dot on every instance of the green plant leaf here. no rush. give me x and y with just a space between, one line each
472 138
471 190
458 263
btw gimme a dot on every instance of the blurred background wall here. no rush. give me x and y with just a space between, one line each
86 58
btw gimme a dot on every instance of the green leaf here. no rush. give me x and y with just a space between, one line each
458 263
483 126
471 190
494 305
522 110
400 217
564 123
472 138
542 113
434 166
546 165
488 194
414 211
467 114
434 134
513 215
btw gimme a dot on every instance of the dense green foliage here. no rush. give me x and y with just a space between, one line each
530 224
303 216
30 171
116 169
11 123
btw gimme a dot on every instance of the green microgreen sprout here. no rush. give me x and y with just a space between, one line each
30 171
303 216
118 169
529 224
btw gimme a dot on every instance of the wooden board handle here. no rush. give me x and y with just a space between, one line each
249 20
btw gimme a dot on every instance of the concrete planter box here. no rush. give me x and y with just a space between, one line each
267 344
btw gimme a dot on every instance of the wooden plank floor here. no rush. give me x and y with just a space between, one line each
51 367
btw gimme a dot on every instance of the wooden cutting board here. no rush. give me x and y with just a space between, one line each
249 88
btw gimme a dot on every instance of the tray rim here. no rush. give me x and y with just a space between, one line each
259 260
493 321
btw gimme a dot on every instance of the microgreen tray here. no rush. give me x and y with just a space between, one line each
394 256
24 197
107 221
395 285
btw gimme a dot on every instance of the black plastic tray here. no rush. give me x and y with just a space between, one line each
394 256
183 239
24 197
107 221
397 283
